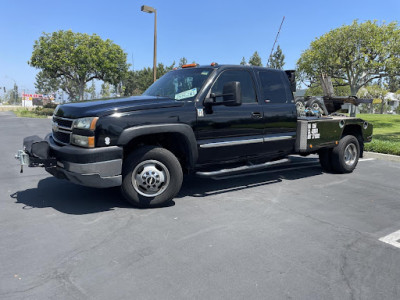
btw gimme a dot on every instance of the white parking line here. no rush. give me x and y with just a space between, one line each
366 159
392 239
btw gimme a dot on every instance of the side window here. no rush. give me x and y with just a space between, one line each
273 87
246 83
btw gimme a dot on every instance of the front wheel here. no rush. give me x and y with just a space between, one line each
345 155
152 176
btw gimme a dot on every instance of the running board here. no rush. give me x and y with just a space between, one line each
242 169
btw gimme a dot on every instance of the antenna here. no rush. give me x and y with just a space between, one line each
276 39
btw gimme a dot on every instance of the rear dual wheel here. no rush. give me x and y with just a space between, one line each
343 158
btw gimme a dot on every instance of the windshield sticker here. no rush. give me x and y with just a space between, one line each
205 72
186 94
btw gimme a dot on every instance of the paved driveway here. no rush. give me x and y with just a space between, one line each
295 233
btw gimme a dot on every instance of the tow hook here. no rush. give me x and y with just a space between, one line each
23 158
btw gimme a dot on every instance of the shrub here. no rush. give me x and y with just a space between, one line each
42 111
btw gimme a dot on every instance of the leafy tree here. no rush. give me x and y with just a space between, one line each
377 93
357 54
136 82
9 97
182 61
15 94
91 91
339 88
105 91
45 84
243 62
392 82
78 58
130 84
255 60
277 59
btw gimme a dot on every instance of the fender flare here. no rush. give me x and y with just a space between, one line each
185 130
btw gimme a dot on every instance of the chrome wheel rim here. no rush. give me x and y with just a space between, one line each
350 154
300 105
315 106
150 178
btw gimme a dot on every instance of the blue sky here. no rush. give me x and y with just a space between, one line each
205 31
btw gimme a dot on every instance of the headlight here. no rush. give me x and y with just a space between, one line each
83 141
86 123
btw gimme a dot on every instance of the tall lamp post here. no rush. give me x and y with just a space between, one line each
150 10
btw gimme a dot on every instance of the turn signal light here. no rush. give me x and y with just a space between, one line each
91 141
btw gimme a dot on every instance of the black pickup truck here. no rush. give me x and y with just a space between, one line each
210 120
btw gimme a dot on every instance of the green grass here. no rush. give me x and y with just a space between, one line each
386 135
38 112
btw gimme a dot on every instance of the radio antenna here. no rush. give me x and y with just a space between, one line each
276 39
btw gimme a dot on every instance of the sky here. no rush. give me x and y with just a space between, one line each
204 31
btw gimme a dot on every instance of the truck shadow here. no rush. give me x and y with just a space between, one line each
69 198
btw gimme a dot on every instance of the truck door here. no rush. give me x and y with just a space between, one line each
230 132
280 115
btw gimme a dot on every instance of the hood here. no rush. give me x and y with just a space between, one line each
98 108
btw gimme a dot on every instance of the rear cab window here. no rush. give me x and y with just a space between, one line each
274 88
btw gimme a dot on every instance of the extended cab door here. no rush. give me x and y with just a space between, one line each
280 115
228 133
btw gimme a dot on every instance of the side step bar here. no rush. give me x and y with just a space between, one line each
242 169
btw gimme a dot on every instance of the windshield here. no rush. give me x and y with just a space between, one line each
182 84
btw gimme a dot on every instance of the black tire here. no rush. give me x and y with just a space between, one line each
316 104
325 159
158 177
345 155
300 104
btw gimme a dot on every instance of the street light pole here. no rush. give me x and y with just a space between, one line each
150 10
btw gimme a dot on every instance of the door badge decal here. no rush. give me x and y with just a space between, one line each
200 112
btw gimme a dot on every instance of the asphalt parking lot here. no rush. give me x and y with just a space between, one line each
295 233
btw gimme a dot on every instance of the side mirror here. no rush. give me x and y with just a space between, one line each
232 93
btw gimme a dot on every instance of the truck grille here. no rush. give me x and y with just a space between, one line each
62 129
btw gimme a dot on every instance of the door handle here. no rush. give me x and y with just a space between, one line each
256 115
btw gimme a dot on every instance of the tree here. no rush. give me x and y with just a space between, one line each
392 82
78 58
105 91
91 91
16 98
45 84
357 54
377 93
182 61
243 62
136 82
339 89
255 60
130 84
277 59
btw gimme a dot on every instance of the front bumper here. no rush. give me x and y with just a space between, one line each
98 167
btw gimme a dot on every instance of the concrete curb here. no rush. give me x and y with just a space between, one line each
381 156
